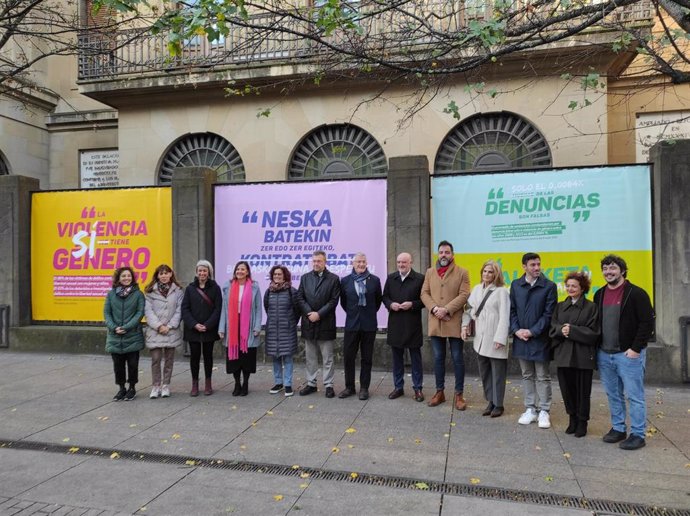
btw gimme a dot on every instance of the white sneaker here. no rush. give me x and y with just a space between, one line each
529 416
155 392
544 419
165 391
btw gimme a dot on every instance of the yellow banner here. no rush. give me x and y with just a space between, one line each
79 238
556 266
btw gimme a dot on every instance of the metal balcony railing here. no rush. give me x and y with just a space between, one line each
266 39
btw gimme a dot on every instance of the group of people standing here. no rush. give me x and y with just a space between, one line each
579 335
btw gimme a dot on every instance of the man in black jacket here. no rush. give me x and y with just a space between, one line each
627 323
319 292
402 297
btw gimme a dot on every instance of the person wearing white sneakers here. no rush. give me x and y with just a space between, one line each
163 330
533 299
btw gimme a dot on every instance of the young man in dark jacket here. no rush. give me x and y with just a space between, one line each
318 296
533 299
627 323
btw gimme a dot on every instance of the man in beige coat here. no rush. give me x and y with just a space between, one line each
445 291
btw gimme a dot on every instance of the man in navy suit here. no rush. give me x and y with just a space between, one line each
360 297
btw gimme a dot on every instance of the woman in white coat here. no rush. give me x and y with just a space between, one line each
489 308
163 329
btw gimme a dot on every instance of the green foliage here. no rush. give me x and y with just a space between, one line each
333 15
263 112
489 33
452 109
622 42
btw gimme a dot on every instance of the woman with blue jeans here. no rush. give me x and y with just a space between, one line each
280 303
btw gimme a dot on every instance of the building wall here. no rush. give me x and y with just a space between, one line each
265 144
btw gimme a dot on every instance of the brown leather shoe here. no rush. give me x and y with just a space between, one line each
396 394
418 396
460 403
438 398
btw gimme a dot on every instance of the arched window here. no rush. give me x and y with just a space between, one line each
338 150
205 150
492 141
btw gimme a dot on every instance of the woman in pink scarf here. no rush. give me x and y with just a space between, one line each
240 325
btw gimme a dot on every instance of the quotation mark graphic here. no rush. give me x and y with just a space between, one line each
246 218
493 194
584 215
88 214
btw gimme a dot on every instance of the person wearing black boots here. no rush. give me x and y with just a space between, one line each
574 334
240 325
201 306
123 312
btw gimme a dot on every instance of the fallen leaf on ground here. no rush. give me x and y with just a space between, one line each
453 424
142 509
335 450
14 409
311 406
243 447
537 448
114 455
176 436
418 441
446 435
390 439
304 475
164 441
350 431
277 498
303 486
474 480
548 479
508 382
295 466
234 407
65 440
422 485
566 455
353 475
73 449
103 418
269 412
350 446
133 425
190 463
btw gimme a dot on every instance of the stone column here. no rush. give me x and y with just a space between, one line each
671 180
192 211
15 233
409 210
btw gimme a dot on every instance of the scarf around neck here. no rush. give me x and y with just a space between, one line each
275 287
238 340
123 292
361 286
164 288
441 269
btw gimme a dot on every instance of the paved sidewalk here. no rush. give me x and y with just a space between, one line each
268 454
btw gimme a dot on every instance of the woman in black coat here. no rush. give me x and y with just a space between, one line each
201 306
281 305
574 333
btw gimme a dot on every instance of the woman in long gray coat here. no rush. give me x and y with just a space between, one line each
163 330
574 333
281 305
489 307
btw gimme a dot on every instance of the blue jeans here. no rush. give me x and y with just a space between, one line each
439 346
399 367
278 375
624 377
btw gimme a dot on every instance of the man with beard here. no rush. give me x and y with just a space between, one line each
444 293
360 297
626 318
401 295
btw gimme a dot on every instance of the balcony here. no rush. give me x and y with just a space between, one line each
269 46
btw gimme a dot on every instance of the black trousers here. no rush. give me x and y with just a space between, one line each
195 349
126 365
576 389
353 342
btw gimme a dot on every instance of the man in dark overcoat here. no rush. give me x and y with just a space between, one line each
401 295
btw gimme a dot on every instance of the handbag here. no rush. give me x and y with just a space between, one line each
471 328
